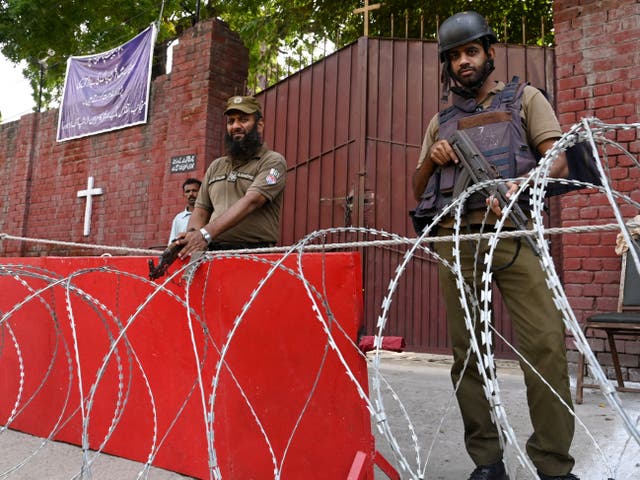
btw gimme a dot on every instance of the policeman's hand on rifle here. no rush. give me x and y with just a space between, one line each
193 241
493 202
441 153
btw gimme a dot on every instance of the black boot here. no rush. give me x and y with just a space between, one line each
495 471
568 476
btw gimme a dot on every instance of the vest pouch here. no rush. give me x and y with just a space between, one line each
448 178
418 222
426 208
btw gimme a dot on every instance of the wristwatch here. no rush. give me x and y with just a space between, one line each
206 235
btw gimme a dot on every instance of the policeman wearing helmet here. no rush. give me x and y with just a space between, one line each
512 124
457 31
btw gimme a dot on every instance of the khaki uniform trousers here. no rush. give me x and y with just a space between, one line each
540 339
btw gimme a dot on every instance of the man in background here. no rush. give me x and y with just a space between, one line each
190 189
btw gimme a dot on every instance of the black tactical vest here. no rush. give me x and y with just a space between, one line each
497 132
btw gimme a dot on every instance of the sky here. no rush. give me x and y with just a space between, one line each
15 91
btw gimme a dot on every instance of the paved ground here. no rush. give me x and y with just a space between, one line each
422 382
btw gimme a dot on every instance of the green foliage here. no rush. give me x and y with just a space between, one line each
274 28
32 29
281 36
504 16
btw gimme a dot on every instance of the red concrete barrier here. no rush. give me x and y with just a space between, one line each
146 359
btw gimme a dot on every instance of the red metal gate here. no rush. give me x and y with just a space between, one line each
351 126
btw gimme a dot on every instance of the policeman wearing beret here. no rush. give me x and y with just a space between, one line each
240 201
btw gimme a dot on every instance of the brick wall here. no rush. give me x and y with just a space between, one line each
598 75
39 195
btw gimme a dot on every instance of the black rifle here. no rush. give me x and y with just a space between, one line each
477 169
165 260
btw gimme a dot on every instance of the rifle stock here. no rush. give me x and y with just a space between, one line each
168 256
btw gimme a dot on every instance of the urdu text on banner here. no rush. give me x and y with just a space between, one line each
108 90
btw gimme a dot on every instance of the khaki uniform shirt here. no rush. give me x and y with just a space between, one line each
227 181
539 123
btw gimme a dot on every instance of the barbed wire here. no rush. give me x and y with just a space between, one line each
396 240
122 351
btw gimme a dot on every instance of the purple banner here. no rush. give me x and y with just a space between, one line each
108 90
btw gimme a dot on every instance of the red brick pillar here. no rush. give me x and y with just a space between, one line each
598 75
210 64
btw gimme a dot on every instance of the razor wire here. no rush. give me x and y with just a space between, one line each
122 351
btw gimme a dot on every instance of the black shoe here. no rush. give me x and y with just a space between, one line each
495 471
568 476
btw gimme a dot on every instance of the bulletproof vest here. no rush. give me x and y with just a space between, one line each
497 132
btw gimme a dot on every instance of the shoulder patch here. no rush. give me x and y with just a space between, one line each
272 177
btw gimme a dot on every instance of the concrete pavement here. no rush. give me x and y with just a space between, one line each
422 383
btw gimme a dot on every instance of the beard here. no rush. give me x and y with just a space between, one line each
245 148
470 82
468 87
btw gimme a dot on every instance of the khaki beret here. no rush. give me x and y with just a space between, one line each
243 104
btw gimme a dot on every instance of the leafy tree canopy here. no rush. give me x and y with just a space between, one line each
280 34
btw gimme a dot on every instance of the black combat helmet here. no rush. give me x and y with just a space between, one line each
462 28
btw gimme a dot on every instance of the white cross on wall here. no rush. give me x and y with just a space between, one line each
89 193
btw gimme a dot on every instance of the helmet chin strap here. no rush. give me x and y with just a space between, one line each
472 91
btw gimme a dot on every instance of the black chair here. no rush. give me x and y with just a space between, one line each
624 321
